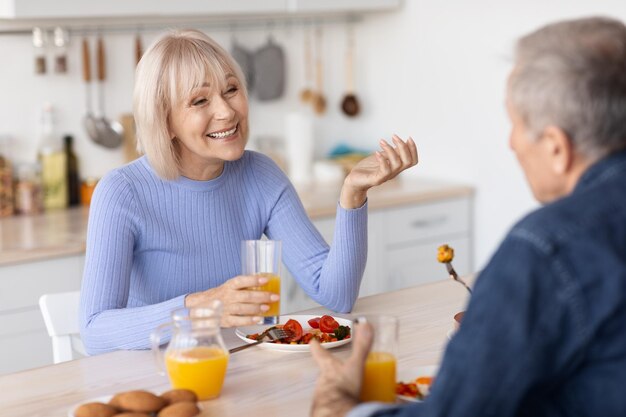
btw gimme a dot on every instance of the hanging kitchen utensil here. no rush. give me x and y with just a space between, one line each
110 132
61 39
138 48
306 95
245 60
89 121
39 42
350 103
319 101
269 71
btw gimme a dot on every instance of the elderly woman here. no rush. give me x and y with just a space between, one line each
165 230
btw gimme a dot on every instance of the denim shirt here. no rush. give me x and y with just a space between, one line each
545 330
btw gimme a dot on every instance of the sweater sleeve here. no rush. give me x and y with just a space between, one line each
106 323
329 275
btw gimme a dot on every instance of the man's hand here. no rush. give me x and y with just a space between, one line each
339 384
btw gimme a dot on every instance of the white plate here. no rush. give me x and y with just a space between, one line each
241 332
408 375
104 399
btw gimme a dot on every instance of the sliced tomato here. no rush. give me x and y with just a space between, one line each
307 338
328 324
315 323
294 327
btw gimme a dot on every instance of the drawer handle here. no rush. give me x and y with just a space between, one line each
418 224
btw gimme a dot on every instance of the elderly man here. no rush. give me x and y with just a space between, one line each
545 331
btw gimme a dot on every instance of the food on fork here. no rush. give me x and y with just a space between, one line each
445 254
325 329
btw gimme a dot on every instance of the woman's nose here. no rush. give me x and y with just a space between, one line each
222 110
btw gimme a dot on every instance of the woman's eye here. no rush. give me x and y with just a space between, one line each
199 101
232 89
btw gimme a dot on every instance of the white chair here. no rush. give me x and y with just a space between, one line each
60 314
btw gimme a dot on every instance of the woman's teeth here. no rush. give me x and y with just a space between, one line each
222 135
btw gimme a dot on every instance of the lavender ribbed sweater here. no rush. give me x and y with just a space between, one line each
150 242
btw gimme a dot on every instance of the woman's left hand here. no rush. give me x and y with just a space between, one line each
377 169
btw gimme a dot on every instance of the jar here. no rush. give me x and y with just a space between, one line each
86 190
196 357
28 190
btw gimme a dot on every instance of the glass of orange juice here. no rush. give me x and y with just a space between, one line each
196 357
379 376
263 258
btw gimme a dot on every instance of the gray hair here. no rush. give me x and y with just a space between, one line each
572 74
169 70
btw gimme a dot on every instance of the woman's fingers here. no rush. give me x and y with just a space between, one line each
251 296
403 150
246 309
395 162
245 281
238 321
413 149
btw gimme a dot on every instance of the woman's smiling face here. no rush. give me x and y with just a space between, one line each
210 125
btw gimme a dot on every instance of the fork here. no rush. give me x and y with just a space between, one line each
273 333
456 277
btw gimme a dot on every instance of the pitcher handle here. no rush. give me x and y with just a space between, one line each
155 338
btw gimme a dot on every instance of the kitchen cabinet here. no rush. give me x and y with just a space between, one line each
23 337
403 245
72 9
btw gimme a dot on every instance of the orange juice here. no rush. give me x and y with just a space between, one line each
273 286
379 378
201 369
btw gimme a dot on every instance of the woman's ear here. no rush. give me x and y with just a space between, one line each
559 149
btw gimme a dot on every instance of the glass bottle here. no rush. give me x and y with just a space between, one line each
196 357
73 182
53 163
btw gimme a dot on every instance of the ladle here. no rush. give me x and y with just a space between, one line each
319 101
110 133
307 94
89 121
350 103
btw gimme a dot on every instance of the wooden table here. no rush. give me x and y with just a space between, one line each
258 382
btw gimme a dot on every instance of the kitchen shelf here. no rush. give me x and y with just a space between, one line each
18 17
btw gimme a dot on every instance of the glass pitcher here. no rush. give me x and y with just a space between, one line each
196 357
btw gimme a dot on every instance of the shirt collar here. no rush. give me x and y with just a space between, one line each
603 170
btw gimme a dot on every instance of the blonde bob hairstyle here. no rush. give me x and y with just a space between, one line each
168 72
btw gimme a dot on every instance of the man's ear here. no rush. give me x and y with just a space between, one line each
558 149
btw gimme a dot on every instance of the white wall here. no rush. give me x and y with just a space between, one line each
435 70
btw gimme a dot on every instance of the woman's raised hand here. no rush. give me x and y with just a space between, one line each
376 169
243 306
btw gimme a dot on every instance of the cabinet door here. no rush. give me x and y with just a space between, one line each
295 299
421 222
23 335
417 264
